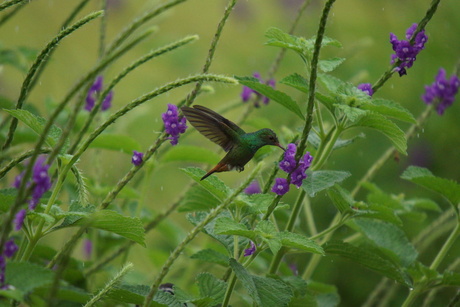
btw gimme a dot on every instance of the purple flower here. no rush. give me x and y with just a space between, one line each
174 125
18 180
87 248
405 51
19 219
137 158
247 92
41 179
251 250
299 174
253 188
442 90
10 248
281 186
366 88
107 102
288 164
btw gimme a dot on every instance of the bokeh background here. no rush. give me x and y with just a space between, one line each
361 26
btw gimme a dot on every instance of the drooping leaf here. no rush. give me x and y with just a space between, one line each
265 291
192 154
212 184
279 38
318 181
391 109
27 276
297 241
296 81
368 259
390 237
75 213
330 64
352 113
212 256
451 279
37 123
228 226
198 198
135 294
423 177
385 126
116 142
128 227
211 287
275 95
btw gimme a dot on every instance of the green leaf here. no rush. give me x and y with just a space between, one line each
326 41
423 177
210 255
128 227
451 279
385 126
275 95
380 212
135 294
116 142
330 83
37 123
211 287
21 57
296 81
228 226
341 199
198 198
66 293
294 240
259 203
7 198
391 109
325 295
184 153
390 237
75 213
369 259
267 292
330 65
269 234
352 113
279 38
27 276
213 184
318 181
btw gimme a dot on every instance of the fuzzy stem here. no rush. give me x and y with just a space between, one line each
7 4
10 14
125 270
195 231
103 29
41 58
19 159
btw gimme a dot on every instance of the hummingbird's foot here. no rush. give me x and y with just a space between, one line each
239 168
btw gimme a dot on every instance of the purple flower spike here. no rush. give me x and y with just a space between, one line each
18 180
247 93
137 158
107 102
93 93
251 250
405 51
281 186
19 219
173 125
10 248
366 88
288 164
253 188
42 181
442 91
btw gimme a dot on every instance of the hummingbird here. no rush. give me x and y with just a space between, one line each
239 145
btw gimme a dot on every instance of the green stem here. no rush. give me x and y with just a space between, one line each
327 149
195 231
103 29
7 16
7 4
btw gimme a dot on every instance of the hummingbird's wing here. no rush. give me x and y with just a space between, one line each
213 126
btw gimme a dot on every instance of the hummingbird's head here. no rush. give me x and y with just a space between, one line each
269 138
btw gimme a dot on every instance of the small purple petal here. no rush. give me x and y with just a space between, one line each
137 158
173 125
107 102
366 88
442 91
281 186
251 250
253 188
19 219
87 248
18 180
246 94
10 248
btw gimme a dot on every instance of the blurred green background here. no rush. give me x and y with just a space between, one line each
361 26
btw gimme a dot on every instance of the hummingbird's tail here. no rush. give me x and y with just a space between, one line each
220 167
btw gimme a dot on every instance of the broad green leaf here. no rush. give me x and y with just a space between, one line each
390 237
49 220
27 276
275 95
269 234
328 101
116 142
279 38
451 279
421 204
185 153
128 227
198 198
267 292
212 287
330 65
391 109
213 184
318 181
352 113
369 259
423 177
7 198
228 226
135 294
385 126
325 295
67 293
297 283
14 294
296 81
331 83
210 255
294 240
419 272
37 123
75 213
326 41
380 212
341 199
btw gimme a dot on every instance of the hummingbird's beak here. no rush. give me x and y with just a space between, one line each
278 144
